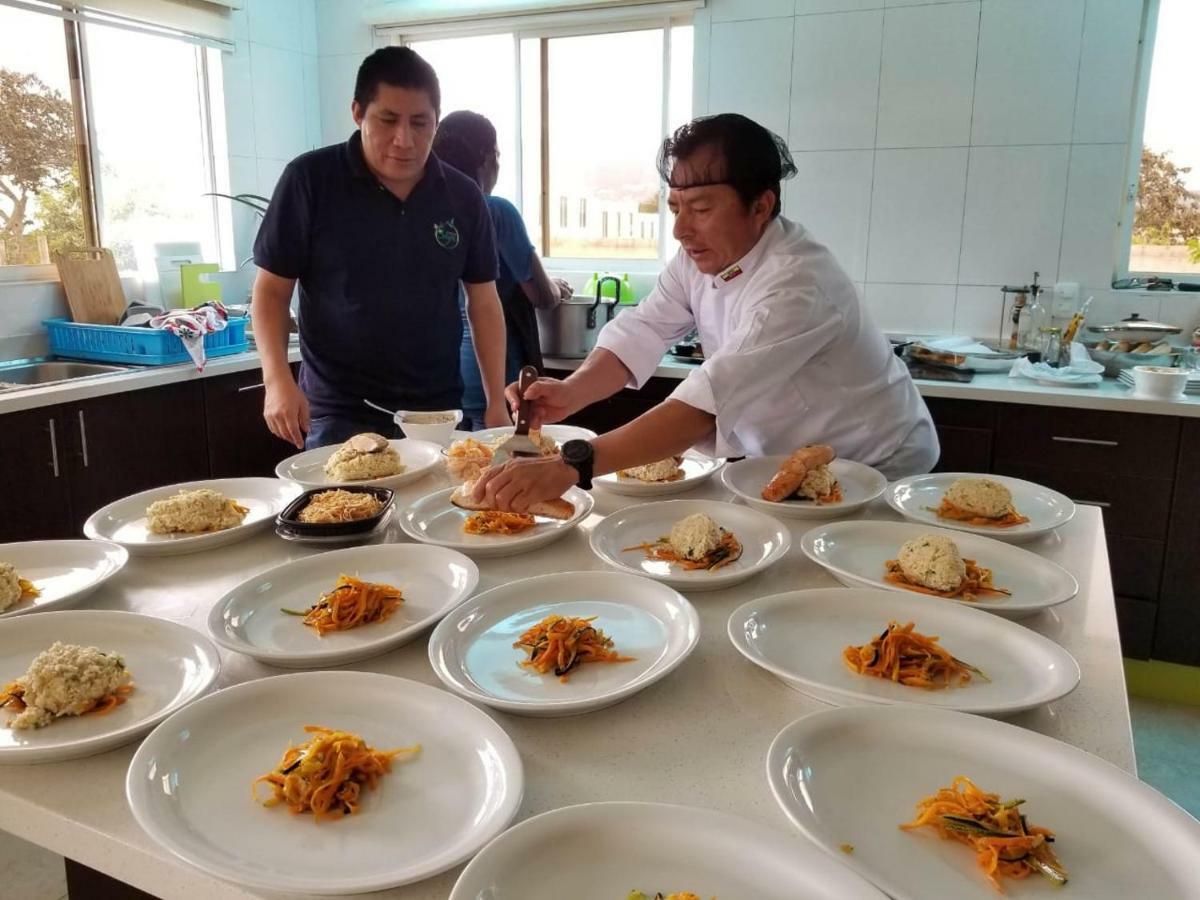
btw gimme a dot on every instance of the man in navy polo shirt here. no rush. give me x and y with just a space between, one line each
379 233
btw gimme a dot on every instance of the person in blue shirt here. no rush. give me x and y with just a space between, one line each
381 237
467 141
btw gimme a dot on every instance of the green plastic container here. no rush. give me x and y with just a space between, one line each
608 289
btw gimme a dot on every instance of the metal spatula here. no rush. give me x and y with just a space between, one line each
520 444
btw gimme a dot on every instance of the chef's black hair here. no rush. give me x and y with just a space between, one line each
465 140
399 67
754 159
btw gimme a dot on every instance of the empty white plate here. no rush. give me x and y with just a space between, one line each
308 468
852 775
855 553
917 499
602 851
696 467
799 637
860 485
124 521
189 784
432 581
764 541
171 665
64 572
472 650
435 520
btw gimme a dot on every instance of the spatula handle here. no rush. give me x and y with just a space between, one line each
527 377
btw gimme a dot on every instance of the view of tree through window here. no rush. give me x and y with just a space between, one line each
1166 224
40 209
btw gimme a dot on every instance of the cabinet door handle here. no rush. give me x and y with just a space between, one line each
1100 503
1091 441
53 447
83 438
250 387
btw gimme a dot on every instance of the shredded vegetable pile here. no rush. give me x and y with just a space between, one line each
947 510
326 774
727 552
560 644
351 603
908 657
977 583
497 522
1005 844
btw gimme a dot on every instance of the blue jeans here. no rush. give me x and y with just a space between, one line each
336 429
474 401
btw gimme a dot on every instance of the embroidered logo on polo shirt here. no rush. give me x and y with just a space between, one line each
446 234
731 273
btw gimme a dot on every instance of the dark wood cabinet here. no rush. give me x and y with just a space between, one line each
622 407
33 479
121 444
239 442
1177 626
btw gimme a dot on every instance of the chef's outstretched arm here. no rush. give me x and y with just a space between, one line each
666 430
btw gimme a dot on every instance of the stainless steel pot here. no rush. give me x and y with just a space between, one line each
1134 328
569 331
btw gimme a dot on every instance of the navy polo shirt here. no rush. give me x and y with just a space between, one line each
379 315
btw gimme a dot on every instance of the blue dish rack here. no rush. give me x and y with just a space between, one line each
138 346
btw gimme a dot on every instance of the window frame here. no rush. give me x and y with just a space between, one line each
1141 99
664 21
78 64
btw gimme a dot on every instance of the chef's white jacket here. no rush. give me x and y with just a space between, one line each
792 358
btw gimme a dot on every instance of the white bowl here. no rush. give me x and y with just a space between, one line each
1159 382
438 432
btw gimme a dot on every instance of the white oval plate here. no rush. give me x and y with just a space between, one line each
472 651
799 637
124 521
560 433
860 485
435 520
171 665
188 785
308 468
764 541
1117 838
697 469
603 850
65 572
918 497
432 580
855 552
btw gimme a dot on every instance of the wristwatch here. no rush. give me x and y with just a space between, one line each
579 454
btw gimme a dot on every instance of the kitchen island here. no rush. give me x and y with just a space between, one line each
698 737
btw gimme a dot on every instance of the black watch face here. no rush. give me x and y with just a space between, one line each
576 451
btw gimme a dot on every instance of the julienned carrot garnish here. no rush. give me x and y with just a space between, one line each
560 643
905 656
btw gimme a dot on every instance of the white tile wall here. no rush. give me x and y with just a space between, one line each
312 102
738 10
340 27
275 23
1107 71
977 311
337 75
835 80
280 130
807 7
268 171
928 75
750 74
1095 203
831 196
1012 225
239 99
916 215
309 42
918 308
1028 69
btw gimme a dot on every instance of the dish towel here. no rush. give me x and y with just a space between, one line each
191 326
1082 370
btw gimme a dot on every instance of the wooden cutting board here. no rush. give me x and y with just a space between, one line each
93 288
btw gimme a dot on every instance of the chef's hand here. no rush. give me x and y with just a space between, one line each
553 401
565 291
519 482
496 416
285 409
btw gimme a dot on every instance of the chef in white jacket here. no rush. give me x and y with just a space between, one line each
792 357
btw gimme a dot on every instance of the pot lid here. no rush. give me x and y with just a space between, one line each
1135 323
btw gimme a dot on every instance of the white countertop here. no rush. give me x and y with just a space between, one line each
699 737
1109 394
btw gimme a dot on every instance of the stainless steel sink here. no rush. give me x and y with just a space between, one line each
29 374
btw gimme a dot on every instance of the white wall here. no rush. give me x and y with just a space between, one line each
944 148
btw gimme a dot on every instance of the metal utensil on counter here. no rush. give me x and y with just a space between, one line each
520 444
